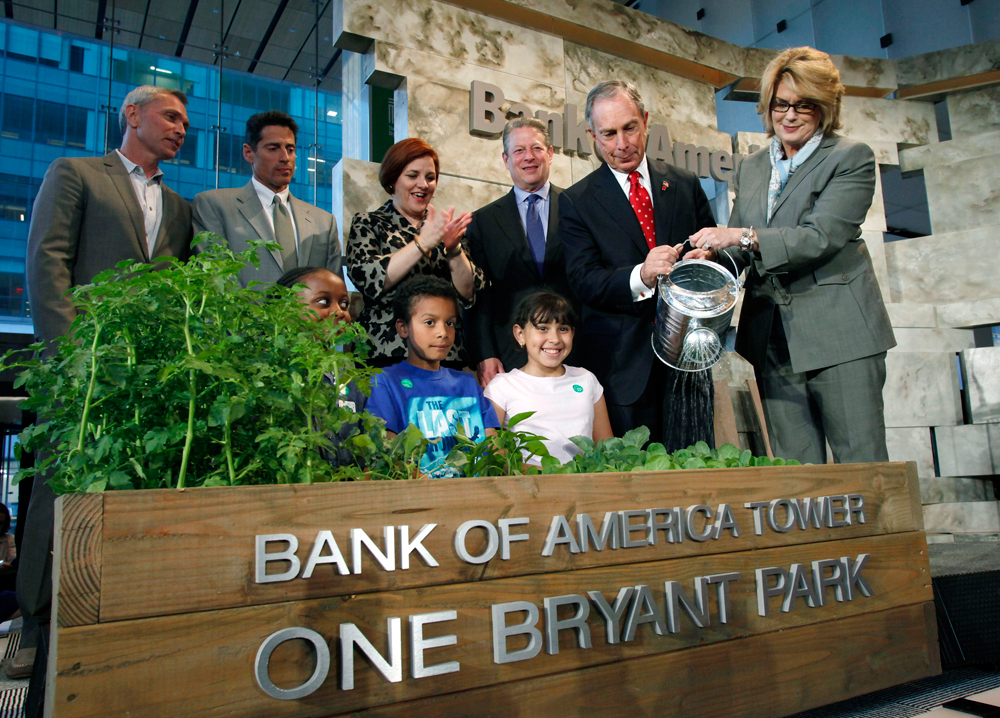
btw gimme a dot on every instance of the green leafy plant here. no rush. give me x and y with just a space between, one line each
180 377
626 454
504 453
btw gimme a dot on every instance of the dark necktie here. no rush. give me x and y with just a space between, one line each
284 234
536 233
638 197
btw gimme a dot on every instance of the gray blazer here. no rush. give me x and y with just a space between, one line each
813 265
86 219
238 216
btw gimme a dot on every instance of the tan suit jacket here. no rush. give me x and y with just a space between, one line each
86 219
238 216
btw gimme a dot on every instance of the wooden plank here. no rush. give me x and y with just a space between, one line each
81 544
725 416
203 539
599 40
952 84
769 676
211 654
758 406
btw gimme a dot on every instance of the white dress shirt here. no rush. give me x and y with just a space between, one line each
639 290
149 192
267 196
543 207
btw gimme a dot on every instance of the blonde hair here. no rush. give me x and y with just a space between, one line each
811 75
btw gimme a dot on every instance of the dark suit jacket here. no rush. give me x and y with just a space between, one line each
814 265
603 243
86 219
238 216
499 246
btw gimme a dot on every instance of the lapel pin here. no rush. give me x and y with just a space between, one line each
665 185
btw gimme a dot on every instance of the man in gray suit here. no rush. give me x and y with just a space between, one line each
90 214
265 209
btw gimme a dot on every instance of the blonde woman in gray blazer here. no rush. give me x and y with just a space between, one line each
813 323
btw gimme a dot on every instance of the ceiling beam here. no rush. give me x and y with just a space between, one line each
102 10
306 42
267 35
192 9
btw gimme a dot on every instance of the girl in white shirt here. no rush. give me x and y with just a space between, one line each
568 401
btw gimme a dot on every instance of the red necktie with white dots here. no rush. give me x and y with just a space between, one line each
638 197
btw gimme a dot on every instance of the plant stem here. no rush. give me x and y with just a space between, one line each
90 388
229 452
192 388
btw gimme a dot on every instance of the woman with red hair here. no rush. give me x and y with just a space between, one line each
406 237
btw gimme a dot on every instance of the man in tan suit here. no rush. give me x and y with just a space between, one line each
90 214
264 208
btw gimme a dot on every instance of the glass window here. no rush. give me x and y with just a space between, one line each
50 122
77 125
23 44
18 114
50 52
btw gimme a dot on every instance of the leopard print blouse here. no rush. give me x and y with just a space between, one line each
373 238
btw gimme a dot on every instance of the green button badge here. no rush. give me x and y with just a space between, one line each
407 383
577 388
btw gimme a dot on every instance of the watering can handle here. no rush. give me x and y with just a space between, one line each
736 270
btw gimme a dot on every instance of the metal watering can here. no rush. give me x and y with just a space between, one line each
694 306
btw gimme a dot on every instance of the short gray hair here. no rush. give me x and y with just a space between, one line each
142 96
519 122
608 89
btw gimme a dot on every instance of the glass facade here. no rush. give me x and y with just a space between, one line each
53 104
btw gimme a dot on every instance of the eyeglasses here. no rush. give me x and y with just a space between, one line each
801 108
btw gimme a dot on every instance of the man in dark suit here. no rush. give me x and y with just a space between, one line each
515 241
622 226
264 208
90 214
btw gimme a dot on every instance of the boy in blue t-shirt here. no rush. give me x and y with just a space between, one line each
419 390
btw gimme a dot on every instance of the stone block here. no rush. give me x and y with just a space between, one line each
963 450
886 153
978 517
746 140
873 119
952 152
932 340
981 371
947 490
448 32
993 434
940 269
921 389
668 98
974 313
876 250
975 112
912 444
947 64
964 196
865 71
875 219
911 315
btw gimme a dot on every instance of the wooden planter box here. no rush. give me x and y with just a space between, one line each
161 610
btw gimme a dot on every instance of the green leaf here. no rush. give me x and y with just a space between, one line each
657 463
518 418
584 442
746 458
728 451
97 487
636 437
694 463
701 449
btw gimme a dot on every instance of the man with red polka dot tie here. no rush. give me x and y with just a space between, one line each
623 226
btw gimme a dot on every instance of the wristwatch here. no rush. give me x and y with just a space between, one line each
748 239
